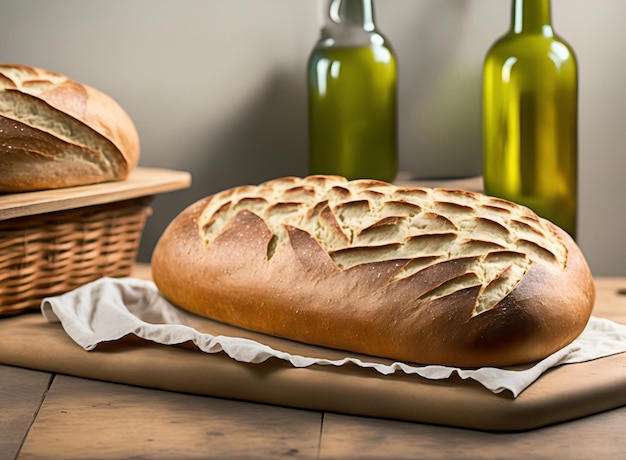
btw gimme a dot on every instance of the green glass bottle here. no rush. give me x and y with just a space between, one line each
530 117
352 88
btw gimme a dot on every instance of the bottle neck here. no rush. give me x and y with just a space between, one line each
347 21
349 13
531 17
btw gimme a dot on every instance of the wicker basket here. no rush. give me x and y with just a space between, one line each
49 254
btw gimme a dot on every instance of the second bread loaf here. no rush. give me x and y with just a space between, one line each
55 132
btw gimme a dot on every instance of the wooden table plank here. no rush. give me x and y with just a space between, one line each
21 393
83 418
472 183
611 298
349 437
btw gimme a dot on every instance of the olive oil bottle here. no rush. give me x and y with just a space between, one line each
352 90
530 116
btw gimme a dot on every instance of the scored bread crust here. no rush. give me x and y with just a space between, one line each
421 275
55 132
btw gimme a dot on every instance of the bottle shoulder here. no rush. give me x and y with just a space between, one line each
519 43
376 49
531 48
357 57
346 37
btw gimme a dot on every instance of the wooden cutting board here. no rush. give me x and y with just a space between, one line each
141 182
563 393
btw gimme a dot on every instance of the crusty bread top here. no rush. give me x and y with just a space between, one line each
365 221
45 116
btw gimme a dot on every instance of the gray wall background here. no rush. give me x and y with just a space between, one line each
218 88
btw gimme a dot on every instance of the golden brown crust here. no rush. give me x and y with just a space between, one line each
234 267
55 132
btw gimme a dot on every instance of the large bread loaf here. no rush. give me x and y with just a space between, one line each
55 132
421 275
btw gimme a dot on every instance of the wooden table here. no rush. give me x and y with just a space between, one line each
45 415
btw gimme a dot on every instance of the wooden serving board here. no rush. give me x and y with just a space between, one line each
141 182
563 393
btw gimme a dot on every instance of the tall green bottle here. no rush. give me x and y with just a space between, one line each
530 117
352 88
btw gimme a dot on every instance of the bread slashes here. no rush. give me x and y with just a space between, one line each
430 276
55 132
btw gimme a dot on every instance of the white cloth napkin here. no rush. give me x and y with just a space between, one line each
109 309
